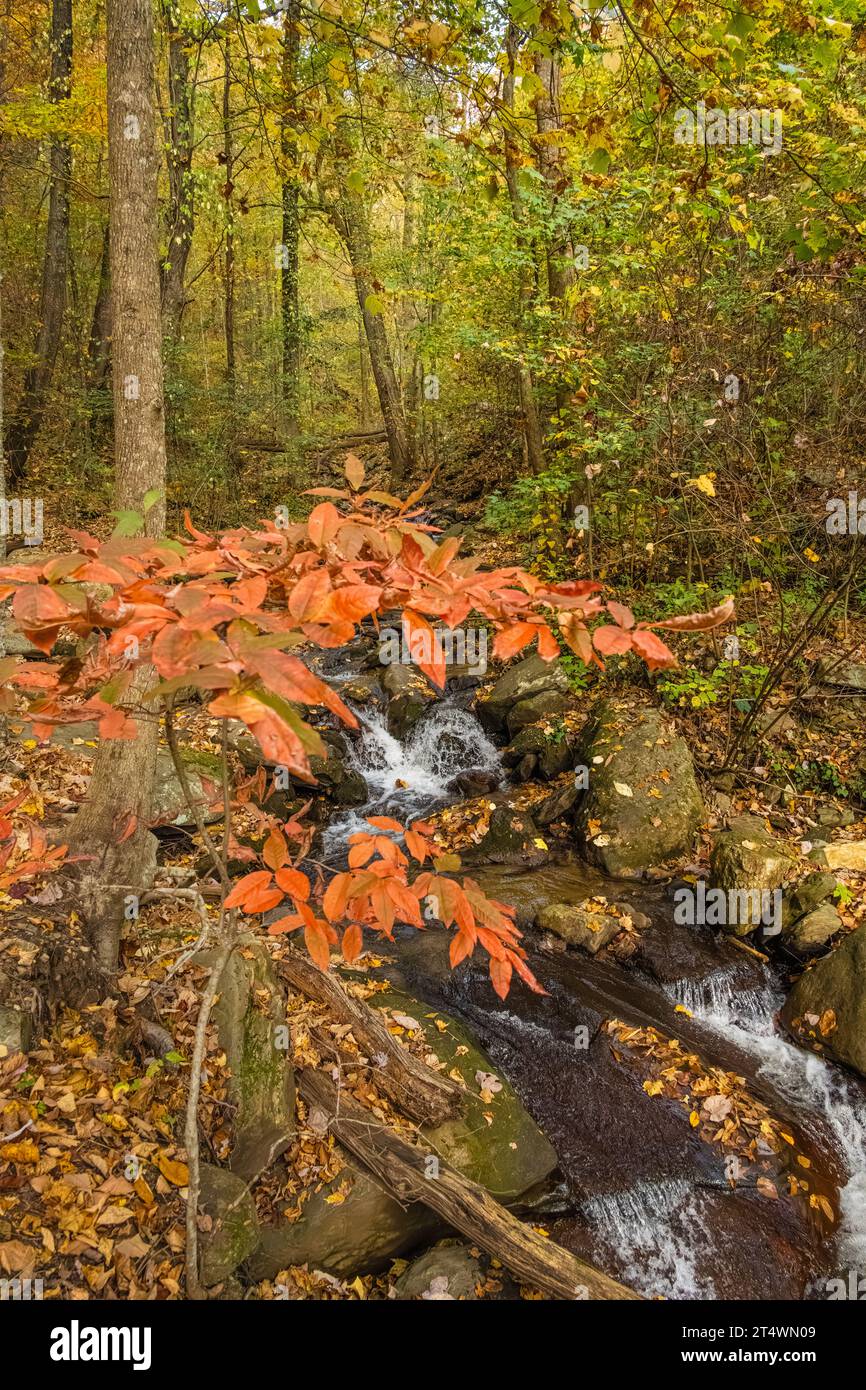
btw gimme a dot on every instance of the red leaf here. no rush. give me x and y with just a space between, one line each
294 882
620 614
500 975
698 622
322 524
353 942
354 472
511 640
653 650
317 945
424 646
275 852
611 640
244 886
385 823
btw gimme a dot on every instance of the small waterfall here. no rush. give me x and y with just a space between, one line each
409 779
653 1231
720 1001
810 1084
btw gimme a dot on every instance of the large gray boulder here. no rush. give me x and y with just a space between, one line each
446 1273
826 1009
519 685
642 805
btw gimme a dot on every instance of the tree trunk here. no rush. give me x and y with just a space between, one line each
548 114
352 223
99 347
28 417
179 142
532 434
121 787
229 262
290 304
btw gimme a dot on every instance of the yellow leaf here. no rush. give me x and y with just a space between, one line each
694 1119
704 484
172 1170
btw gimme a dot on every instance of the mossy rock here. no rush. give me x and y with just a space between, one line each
512 837
251 1019
520 684
826 1009
642 806
548 742
507 1154
748 858
234 1231
204 775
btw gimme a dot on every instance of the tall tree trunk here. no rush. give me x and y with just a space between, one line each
229 260
290 303
99 347
352 223
532 435
548 115
179 142
121 787
28 417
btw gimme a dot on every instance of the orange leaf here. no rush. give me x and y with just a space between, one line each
353 941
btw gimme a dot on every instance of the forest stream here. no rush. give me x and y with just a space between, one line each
641 1194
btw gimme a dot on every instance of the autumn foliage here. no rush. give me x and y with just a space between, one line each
229 614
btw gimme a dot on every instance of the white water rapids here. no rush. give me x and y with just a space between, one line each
407 780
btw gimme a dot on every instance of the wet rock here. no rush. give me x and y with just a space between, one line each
812 932
339 783
827 1006
409 695
204 775
16 1029
579 925
231 1231
512 838
251 1019
549 744
642 805
445 1273
519 683
474 783
748 859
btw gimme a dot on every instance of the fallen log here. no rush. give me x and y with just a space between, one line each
404 1168
414 1088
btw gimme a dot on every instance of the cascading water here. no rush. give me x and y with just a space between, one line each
409 779
654 1229
811 1085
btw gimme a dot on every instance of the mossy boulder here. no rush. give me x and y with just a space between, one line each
520 684
251 1019
814 930
495 1141
512 837
231 1227
826 1009
204 776
642 805
353 1226
590 925
749 859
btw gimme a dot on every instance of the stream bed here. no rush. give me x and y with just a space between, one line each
642 1195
